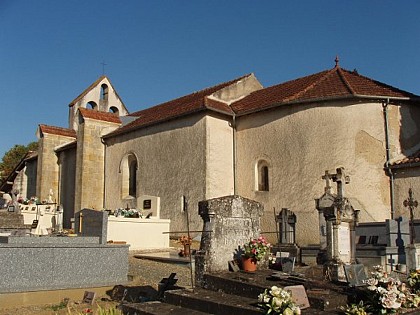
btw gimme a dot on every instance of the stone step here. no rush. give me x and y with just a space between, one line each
212 302
156 308
250 285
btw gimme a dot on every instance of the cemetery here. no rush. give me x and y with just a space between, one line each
373 262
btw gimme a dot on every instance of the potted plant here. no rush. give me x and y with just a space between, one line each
255 250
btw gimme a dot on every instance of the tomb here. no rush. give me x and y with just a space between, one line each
228 223
52 262
138 232
340 219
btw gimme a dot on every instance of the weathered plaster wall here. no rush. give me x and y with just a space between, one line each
219 158
300 143
47 166
406 178
171 163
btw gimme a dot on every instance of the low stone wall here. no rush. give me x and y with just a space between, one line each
60 263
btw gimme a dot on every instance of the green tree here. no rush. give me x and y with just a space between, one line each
12 158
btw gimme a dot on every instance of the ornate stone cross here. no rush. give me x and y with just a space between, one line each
410 203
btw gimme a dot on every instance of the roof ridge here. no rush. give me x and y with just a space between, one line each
326 74
136 113
346 82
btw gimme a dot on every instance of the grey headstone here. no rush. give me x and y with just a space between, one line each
355 274
89 222
287 264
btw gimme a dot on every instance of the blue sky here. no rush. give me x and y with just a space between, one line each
51 50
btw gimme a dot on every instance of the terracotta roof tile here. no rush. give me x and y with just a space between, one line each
57 131
329 84
103 116
182 106
415 158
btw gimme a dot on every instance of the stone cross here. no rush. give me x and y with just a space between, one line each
327 177
340 178
410 203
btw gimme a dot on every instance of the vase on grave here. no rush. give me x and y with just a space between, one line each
187 250
249 264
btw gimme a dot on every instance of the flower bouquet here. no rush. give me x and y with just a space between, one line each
277 301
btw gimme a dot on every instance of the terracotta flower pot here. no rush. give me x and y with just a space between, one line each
249 264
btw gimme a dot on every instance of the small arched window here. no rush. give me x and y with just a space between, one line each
92 105
129 176
262 176
104 92
114 110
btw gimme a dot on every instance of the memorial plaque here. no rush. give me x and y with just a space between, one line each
89 297
147 204
299 295
287 264
355 274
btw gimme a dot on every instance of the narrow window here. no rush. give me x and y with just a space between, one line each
262 173
129 176
104 92
132 178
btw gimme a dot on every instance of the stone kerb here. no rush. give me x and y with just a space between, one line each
228 223
88 222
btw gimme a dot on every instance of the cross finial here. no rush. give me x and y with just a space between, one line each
336 61
103 67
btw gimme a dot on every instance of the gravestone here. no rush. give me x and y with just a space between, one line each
340 222
355 274
298 295
89 222
228 223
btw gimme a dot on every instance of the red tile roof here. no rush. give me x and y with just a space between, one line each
330 84
179 107
57 131
407 161
103 116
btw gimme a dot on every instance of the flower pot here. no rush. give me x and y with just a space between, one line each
249 264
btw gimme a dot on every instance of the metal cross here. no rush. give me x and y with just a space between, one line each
411 204
103 67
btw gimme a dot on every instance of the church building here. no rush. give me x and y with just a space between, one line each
269 144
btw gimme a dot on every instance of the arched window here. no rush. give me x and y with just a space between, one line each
114 110
92 105
104 92
129 176
132 178
262 176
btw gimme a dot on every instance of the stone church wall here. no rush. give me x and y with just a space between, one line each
90 164
47 166
171 163
301 142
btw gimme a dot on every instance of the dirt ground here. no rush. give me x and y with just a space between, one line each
145 275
